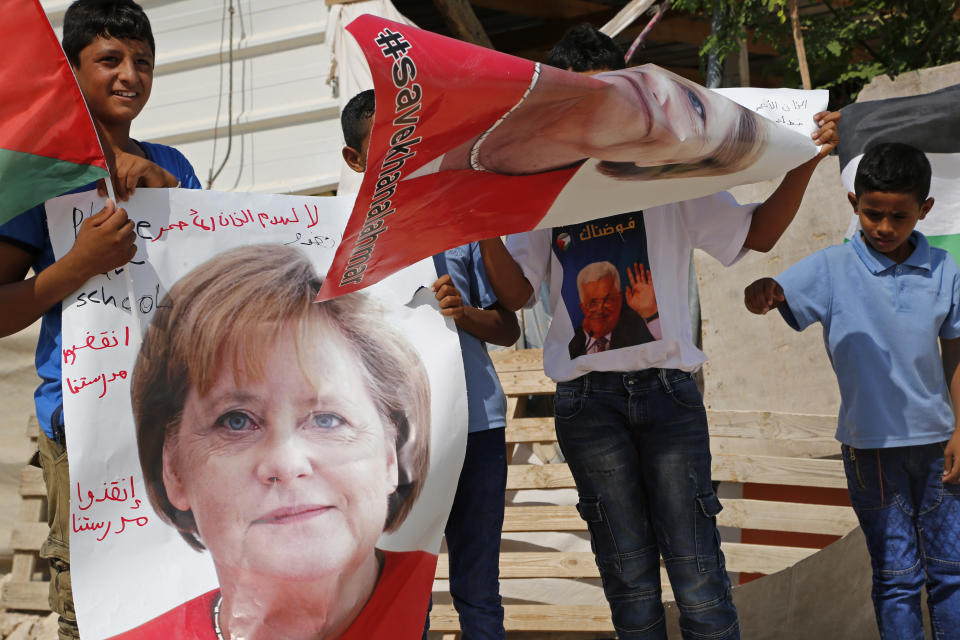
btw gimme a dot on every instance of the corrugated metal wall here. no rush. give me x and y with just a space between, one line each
286 132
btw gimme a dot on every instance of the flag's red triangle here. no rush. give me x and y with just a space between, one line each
41 108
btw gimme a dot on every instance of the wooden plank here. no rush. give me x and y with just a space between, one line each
463 22
753 558
787 516
542 518
542 430
537 564
32 509
533 383
23 565
761 558
732 468
539 476
781 448
31 482
29 596
805 472
33 428
773 426
28 536
534 617
530 430
517 360
737 512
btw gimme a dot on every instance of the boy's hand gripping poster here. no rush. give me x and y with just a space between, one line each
255 465
468 144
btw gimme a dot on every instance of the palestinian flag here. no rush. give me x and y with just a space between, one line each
930 122
48 143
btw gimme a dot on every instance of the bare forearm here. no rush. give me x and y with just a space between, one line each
25 301
506 278
496 326
951 370
773 217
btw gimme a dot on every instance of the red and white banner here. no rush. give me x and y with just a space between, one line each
468 143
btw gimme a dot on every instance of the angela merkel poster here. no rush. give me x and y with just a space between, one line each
245 462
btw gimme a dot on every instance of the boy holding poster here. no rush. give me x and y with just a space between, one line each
885 299
629 417
476 518
110 47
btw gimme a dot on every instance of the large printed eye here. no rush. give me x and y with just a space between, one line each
696 104
328 420
235 421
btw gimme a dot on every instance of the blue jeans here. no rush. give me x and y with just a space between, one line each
473 537
638 446
911 521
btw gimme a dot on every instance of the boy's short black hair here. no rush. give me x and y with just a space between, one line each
893 167
585 48
87 20
353 119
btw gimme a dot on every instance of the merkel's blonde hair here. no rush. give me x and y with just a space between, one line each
239 302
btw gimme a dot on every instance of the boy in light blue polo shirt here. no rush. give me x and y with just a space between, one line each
884 299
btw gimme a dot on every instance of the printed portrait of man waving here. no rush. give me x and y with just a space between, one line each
607 322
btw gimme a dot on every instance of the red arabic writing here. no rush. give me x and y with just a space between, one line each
76 385
106 340
240 219
116 492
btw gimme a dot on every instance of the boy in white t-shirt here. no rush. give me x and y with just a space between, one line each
629 417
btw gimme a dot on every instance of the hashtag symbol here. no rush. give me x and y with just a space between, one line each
392 44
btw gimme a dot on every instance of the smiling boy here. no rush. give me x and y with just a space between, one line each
884 300
110 47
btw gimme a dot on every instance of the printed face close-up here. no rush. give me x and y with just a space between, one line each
287 473
654 117
601 305
115 76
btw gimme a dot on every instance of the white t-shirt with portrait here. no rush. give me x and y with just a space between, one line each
660 239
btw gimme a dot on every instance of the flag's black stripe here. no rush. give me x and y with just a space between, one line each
930 122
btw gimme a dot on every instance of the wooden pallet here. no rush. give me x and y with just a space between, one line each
29 585
748 447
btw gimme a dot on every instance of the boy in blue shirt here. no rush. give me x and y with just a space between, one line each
110 47
884 299
476 518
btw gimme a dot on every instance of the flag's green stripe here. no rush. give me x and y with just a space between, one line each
949 243
27 180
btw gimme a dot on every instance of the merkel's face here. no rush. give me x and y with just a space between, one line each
287 475
601 305
654 117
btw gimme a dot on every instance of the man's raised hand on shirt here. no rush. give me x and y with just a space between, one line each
763 295
640 294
